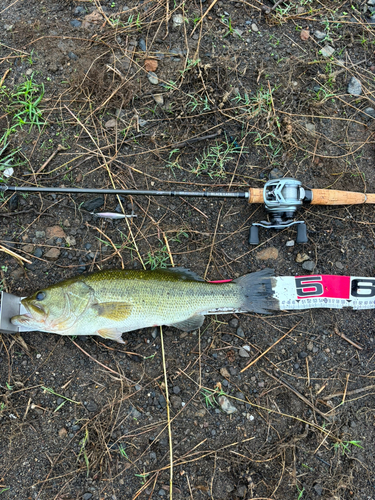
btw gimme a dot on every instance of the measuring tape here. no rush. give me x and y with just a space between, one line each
324 291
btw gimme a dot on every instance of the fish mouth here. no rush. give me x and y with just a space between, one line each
33 311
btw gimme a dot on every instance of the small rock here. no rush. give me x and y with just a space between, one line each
72 56
63 432
52 254
162 401
151 65
270 253
241 491
339 265
224 372
111 123
275 174
369 113
38 253
301 257
134 413
142 45
176 401
289 243
320 35
327 51
226 405
91 406
79 11
302 355
152 77
355 86
254 27
86 496
17 273
233 323
318 489
240 332
142 122
13 202
159 99
309 265
8 172
55 232
305 34
93 204
161 492
200 413
310 127
177 20
28 248
75 23
176 389
310 346
243 353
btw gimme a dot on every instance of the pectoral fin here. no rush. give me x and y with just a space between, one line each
111 333
191 323
116 311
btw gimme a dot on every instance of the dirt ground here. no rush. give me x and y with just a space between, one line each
187 95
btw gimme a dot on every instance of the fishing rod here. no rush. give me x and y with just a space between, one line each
281 197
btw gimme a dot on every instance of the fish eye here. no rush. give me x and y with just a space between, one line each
40 296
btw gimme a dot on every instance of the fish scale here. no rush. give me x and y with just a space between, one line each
111 302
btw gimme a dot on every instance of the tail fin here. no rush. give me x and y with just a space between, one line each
257 292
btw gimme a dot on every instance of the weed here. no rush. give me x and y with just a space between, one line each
4 490
209 396
24 104
300 492
213 160
51 391
83 452
143 477
158 259
122 451
345 446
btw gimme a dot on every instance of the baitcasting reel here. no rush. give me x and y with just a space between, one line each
282 198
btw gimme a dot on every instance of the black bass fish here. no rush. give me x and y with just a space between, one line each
111 302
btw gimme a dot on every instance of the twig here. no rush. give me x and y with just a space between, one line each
168 416
271 347
57 150
343 336
13 254
204 15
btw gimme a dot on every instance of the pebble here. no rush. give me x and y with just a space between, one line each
28 248
224 372
79 11
309 265
301 257
233 323
162 402
91 406
226 405
151 64
55 232
40 234
327 51
134 413
320 35
72 56
38 252
87 246
270 253
339 265
159 99
240 332
86 496
52 254
111 123
243 353
161 492
302 355
63 432
93 204
177 20
75 23
152 77
275 174
71 241
369 113
176 389
241 491
310 127
304 35
318 489
254 27
289 243
310 346
176 401
13 202
8 172
355 86
142 45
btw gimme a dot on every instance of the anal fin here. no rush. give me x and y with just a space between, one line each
111 333
191 323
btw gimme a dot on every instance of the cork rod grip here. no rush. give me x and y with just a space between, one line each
333 197
256 195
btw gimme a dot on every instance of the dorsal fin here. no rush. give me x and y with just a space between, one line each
178 274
